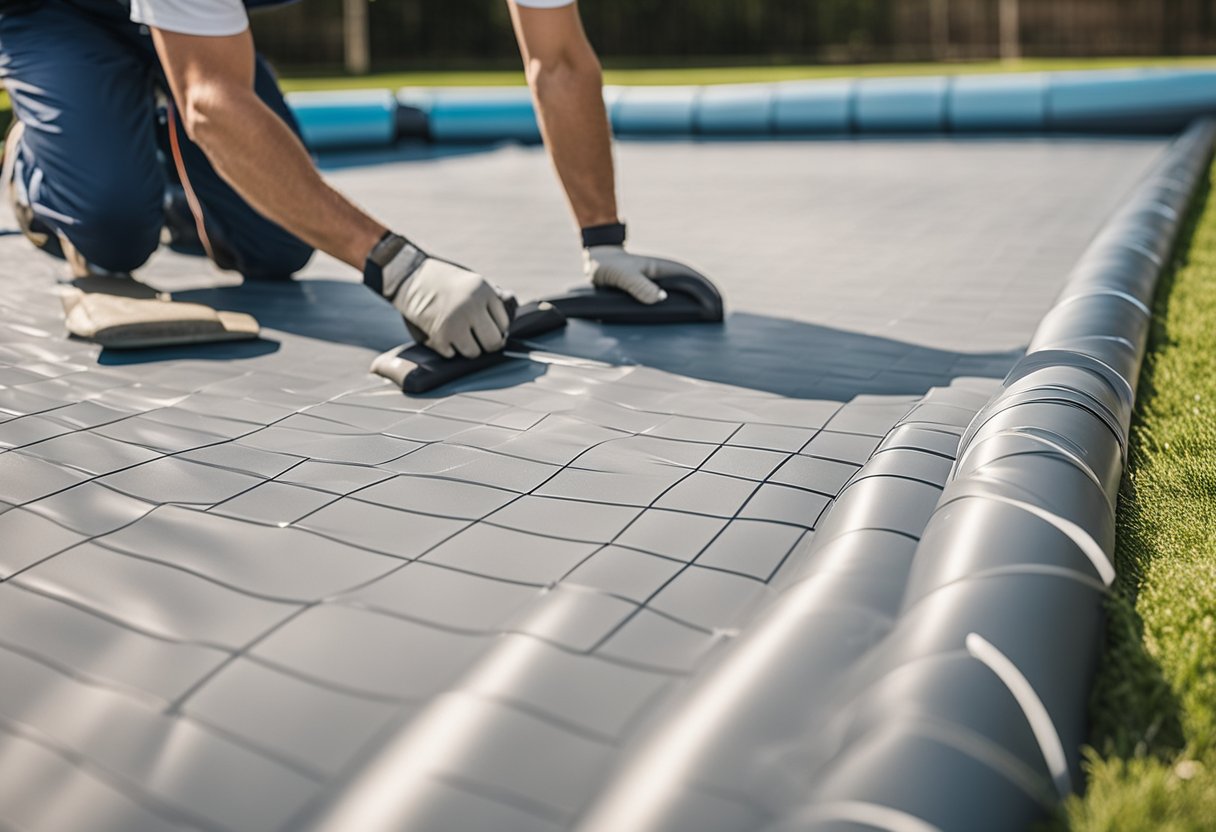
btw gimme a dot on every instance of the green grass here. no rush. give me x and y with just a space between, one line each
1153 761
727 74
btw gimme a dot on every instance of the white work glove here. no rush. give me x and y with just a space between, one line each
613 267
446 307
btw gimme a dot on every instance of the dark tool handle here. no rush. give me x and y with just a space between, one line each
420 369
691 298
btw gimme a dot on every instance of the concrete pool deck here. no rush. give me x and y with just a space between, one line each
238 564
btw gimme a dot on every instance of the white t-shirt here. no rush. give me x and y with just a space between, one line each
218 18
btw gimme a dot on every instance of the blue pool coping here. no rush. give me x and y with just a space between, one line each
1144 101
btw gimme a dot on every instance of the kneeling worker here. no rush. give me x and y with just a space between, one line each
78 70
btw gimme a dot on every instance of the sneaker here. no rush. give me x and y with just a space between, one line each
33 229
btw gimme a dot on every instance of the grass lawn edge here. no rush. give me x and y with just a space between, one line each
1152 760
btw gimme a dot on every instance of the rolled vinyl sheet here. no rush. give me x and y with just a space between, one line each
918 724
1087 396
998 103
1110 269
814 107
1039 543
655 111
1135 101
1090 315
1016 598
1078 322
735 109
1042 623
1032 614
931 676
358 118
901 105
492 114
1131 273
1142 101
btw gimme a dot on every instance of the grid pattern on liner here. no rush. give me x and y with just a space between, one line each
225 572
248 596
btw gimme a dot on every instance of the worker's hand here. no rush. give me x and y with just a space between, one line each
446 307
613 267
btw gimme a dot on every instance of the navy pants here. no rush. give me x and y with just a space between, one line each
94 160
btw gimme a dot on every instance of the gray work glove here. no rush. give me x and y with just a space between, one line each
615 268
607 264
446 307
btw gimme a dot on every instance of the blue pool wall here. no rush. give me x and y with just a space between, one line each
1148 101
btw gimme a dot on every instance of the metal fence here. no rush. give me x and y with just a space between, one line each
412 33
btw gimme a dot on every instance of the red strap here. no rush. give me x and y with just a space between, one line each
191 198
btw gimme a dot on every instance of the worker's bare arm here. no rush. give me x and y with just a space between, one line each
253 149
568 89
567 86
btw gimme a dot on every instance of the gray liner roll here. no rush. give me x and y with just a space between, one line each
1029 615
1073 384
1120 354
1075 357
1011 414
1038 543
970 711
1013 562
1091 315
952 688
910 765
1063 489
1101 459
1132 274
